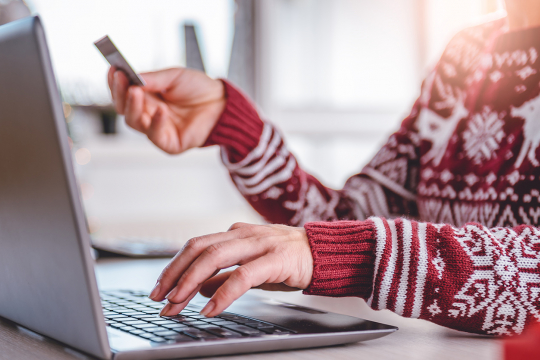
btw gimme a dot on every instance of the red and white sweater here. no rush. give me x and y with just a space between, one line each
465 163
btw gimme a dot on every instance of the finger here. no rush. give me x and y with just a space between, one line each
121 84
209 287
161 81
133 111
241 280
193 248
110 79
214 258
172 309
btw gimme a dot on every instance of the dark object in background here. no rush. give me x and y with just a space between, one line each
108 122
193 52
243 64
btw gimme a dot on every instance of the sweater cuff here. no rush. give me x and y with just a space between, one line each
343 258
239 127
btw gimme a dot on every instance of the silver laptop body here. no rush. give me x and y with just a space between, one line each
47 280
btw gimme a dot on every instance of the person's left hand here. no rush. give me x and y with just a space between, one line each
271 257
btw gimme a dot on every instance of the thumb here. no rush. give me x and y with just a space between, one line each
161 81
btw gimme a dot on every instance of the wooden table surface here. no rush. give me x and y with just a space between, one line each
416 339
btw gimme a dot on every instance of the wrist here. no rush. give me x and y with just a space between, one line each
238 127
343 257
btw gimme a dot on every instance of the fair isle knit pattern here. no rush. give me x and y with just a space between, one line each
470 278
465 163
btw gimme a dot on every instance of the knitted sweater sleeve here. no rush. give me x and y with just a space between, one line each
270 179
469 278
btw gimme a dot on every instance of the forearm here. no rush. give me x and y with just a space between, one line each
470 278
268 175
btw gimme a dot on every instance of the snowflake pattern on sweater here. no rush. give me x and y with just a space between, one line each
467 153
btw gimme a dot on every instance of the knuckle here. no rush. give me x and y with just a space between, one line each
243 274
214 250
236 225
194 244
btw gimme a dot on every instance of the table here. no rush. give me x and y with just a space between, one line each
416 339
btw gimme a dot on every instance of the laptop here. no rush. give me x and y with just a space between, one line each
47 279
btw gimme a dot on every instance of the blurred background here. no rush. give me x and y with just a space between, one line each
336 76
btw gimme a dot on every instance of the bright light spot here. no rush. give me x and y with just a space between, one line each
83 156
87 191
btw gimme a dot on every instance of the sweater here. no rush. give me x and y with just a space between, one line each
441 223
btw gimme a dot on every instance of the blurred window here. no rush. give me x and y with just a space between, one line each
359 59
148 33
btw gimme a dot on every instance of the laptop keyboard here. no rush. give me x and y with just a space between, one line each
135 313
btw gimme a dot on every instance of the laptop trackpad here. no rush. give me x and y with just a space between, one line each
294 317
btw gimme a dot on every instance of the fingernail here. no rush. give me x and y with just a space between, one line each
155 291
172 293
165 309
208 308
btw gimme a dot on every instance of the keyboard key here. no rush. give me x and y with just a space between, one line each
134 322
133 313
163 322
143 326
137 332
213 320
147 335
188 312
199 334
263 326
151 311
165 333
244 329
197 316
123 311
224 323
194 323
222 332
250 323
127 328
158 339
178 338
147 317
153 329
176 327
177 318
116 316
230 317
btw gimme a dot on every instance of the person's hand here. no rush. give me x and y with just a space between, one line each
271 257
177 109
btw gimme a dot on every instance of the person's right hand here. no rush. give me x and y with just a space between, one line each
177 109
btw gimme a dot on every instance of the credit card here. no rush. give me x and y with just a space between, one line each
113 56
